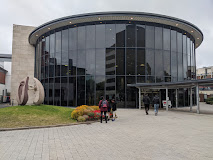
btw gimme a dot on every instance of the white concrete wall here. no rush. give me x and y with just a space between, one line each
23 57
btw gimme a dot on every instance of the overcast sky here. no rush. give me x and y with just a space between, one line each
35 13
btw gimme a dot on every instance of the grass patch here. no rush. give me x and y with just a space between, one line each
42 115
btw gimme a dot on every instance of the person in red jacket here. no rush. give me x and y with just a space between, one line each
103 105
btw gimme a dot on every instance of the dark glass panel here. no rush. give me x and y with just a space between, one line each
57 92
167 79
46 92
120 61
180 66
110 87
80 90
130 35
166 39
52 45
81 62
120 35
47 45
72 91
120 91
140 36
43 47
90 62
110 61
72 62
186 92
180 42
158 37
131 93
73 35
90 90
140 61
65 40
81 37
141 79
100 87
185 71
100 62
174 66
90 36
51 89
42 67
184 44
180 97
57 63
150 79
158 66
173 40
167 63
64 91
100 36
150 36
110 35
64 59
150 67
189 58
58 42
46 66
130 62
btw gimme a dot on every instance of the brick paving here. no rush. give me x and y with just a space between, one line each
134 135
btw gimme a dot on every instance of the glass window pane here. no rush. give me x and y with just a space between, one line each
81 62
130 34
65 40
64 91
120 61
72 62
57 64
110 87
110 35
90 36
80 90
189 58
140 61
173 40
100 87
158 66
158 37
72 91
166 39
57 92
43 47
120 35
100 62
51 88
174 66
47 49
184 43
90 90
140 36
110 61
185 71
64 64
130 62
58 42
52 45
150 70
150 36
120 91
131 93
180 66
73 38
166 61
100 36
179 42
81 37
90 62
141 79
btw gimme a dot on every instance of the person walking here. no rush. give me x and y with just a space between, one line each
156 103
103 105
146 101
114 108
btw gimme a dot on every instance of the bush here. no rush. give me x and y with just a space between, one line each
91 114
81 119
86 117
209 100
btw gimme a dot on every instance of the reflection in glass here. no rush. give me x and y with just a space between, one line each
90 36
140 36
100 87
179 42
110 35
72 62
180 66
58 42
100 62
166 39
72 91
80 90
120 35
174 66
100 36
120 91
158 66
90 62
120 59
150 68
64 91
130 62
130 35
110 87
81 37
51 89
57 92
131 92
81 65
90 90
158 38
73 35
173 41
140 61
150 36
166 62
110 61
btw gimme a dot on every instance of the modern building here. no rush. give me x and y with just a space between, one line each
82 57
5 77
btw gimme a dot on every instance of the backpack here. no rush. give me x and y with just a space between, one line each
104 104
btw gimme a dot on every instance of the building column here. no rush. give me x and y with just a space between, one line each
190 99
139 95
176 96
167 106
198 105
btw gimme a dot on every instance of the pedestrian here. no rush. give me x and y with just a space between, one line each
156 103
103 105
146 101
114 108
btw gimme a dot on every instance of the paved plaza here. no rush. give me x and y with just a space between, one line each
171 135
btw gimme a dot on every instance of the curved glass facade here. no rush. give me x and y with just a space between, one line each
79 63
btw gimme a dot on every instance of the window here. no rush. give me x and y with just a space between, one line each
100 36
130 62
110 35
120 61
166 39
130 35
158 38
110 61
158 65
73 35
81 37
150 59
100 62
90 36
120 35
90 62
150 36
140 36
140 62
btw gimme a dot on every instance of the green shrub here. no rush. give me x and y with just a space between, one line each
86 117
209 100
91 114
81 119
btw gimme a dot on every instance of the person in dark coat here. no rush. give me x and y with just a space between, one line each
114 108
156 102
103 105
146 101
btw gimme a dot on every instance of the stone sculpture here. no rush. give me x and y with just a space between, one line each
30 91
